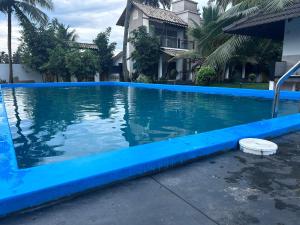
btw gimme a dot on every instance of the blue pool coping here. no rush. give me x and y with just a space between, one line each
286 95
25 188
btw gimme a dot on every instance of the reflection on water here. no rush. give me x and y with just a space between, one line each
54 124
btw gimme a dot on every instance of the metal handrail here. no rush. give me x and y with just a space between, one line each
278 88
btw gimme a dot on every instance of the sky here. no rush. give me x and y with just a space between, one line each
87 17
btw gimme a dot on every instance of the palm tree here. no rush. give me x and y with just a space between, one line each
63 32
233 11
154 3
25 11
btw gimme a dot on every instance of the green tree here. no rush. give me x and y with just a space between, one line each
146 53
25 11
36 43
43 48
155 3
105 53
82 64
56 64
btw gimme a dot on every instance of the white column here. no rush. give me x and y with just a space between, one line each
244 71
271 85
227 73
179 68
97 77
160 67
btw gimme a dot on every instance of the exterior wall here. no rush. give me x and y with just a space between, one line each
21 74
137 19
187 10
116 76
290 53
291 44
181 5
190 18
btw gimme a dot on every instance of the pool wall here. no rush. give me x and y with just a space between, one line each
21 189
287 95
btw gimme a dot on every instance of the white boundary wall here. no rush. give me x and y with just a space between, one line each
21 73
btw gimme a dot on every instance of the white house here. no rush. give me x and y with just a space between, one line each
171 27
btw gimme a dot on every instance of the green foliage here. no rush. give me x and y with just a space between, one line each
146 53
56 64
173 74
144 79
36 43
218 47
252 77
27 11
47 49
82 64
205 75
105 52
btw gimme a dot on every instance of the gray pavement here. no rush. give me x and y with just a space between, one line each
232 188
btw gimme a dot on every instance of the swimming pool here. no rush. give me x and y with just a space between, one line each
58 123
147 128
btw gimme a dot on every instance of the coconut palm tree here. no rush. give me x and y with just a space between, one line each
25 11
154 3
233 11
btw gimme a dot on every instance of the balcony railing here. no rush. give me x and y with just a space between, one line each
173 42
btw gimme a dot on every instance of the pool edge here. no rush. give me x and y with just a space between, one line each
103 169
59 180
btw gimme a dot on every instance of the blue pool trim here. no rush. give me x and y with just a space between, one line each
20 189
287 95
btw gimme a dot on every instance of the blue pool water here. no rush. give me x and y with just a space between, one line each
55 124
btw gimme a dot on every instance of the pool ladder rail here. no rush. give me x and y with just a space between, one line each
278 86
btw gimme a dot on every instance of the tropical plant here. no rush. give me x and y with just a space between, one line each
25 11
146 51
63 34
205 75
234 10
105 53
155 3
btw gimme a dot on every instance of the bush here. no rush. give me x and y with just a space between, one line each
2 81
205 75
173 74
252 77
143 79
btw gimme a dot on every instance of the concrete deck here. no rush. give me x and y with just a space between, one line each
232 188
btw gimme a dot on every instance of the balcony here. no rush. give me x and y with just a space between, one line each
173 42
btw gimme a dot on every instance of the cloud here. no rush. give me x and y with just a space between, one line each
88 17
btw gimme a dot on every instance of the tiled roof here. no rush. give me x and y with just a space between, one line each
160 14
83 45
156 14
268 21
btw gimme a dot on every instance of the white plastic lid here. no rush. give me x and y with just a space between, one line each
258 146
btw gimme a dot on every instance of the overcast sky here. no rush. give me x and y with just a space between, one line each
88 17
